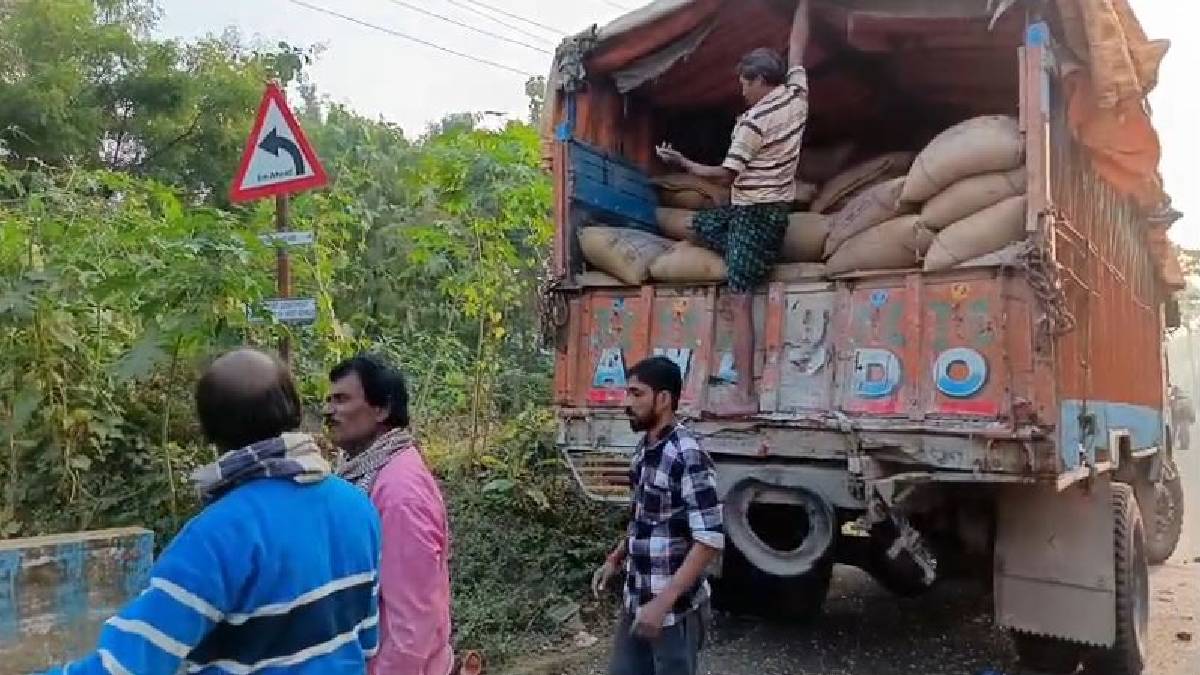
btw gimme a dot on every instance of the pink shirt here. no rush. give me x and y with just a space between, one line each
414 583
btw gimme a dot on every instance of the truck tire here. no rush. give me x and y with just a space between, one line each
1127 656
1163 515
1046 654
744 589
779 556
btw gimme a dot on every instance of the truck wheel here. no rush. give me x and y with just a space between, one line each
1046 654
744 589
796 534
1127 656
1164 515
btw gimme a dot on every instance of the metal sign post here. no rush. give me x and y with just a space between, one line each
283 269
279 160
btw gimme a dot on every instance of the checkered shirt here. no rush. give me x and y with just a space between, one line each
675 505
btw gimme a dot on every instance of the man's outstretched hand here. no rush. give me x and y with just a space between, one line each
670 155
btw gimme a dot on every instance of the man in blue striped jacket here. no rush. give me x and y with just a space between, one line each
278 573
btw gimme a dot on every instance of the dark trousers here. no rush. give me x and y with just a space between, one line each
675 652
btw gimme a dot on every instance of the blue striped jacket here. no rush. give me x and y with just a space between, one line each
272 577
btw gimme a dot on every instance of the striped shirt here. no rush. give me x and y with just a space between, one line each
272 577
766 144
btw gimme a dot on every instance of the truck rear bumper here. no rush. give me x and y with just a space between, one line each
598 449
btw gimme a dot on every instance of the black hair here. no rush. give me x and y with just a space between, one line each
235 413
382 383
765 64
660 374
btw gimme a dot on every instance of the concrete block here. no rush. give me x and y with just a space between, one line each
56 591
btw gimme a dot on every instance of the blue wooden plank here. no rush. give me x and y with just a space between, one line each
602 197
634 186
588 152
611 187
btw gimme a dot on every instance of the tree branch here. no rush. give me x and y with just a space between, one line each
170 144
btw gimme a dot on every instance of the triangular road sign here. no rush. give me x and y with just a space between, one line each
278 158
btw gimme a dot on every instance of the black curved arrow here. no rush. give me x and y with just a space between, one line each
273 143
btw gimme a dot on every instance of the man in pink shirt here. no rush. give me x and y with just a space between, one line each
367 414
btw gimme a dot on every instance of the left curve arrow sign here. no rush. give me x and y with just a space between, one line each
273 143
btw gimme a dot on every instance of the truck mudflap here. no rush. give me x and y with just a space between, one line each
1055 562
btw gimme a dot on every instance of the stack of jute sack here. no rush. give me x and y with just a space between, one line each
635 257
962 198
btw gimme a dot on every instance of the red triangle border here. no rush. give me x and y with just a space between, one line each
319 178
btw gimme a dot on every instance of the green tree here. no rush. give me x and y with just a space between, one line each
82 83
535 91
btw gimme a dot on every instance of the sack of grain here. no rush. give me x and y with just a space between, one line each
971 195
1009 256
622 252
818 165
846 184
878 204
805 238
675 223
685 191
789 272
805 194
596 279
897 244
984 232
688 263
979 145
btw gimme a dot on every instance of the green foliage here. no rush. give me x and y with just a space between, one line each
123 269
525 543
113 291
82 83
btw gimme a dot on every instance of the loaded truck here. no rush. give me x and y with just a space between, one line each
1002 419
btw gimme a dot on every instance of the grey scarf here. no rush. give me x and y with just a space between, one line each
363 468
292 456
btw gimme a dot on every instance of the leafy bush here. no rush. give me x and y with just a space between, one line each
123 269
525 543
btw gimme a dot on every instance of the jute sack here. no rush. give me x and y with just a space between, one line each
1009 256
688 263
978 145
624 253
804 241
843 186
984 232
805 194
818 165
897 244
675 223
685 191
971 195
789 272
595 279
877 204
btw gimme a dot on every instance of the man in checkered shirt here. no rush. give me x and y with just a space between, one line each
675 532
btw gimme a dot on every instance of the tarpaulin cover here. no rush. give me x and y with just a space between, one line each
1107 95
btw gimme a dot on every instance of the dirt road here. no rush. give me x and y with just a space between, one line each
866 631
